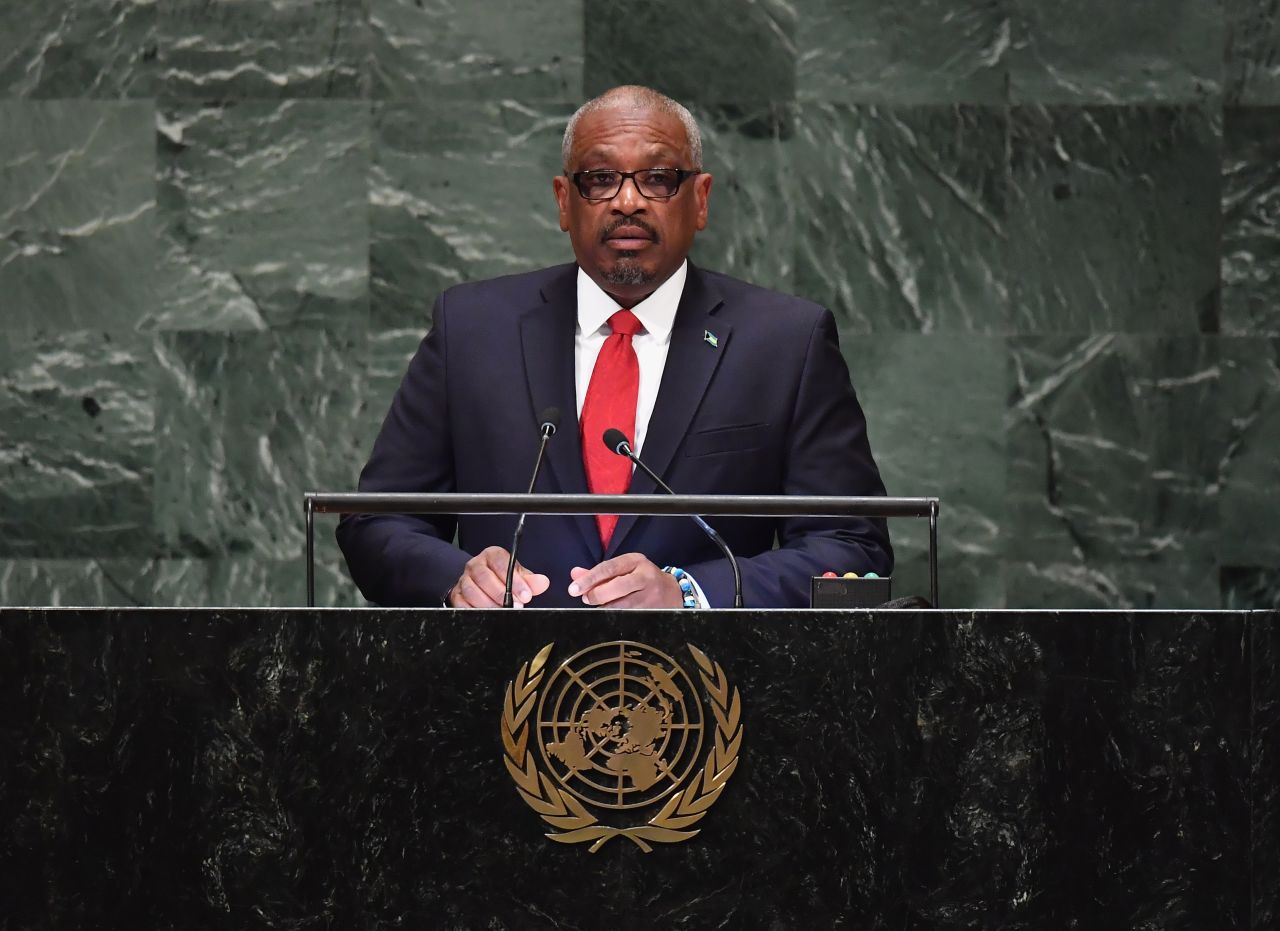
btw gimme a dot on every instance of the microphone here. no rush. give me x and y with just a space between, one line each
548 422
617 442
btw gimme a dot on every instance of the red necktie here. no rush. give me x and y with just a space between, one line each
611 402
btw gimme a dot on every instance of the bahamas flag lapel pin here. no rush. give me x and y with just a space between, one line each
710 339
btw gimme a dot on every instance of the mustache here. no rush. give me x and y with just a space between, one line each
628 221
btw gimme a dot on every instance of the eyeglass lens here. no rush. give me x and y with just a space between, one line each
604 185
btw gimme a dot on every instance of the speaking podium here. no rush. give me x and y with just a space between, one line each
648 505
346 768
232 768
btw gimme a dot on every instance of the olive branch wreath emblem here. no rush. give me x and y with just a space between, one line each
562 810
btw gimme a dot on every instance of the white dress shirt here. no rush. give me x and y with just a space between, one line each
656 313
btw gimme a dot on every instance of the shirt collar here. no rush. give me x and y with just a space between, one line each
657 312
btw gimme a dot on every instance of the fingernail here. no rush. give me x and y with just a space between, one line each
574 590
518 604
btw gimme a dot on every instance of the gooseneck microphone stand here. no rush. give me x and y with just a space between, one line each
617 442
550 421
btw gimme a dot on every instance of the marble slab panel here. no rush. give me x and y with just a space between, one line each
1113 219
1165 765
751 230
1250 587
1113 499
77 216
1253 52
102 582
1249 473
1265 759
913 52
919 771
460 192
252 420
1035 733
901 216
378 373
1251 221
243 581
252 582
433 50
386 359
1096 51
712 52
264 212
78 49
263 49
935 408
77 444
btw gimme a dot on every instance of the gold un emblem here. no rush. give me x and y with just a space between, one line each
618 733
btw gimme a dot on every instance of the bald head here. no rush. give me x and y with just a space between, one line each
635 97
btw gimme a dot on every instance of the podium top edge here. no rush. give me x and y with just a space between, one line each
652 504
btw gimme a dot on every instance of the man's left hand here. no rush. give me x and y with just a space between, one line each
626 581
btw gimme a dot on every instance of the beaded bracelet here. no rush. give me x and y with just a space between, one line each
686 585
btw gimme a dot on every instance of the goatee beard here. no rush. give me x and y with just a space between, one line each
628 272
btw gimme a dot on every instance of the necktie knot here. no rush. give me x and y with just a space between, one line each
625 323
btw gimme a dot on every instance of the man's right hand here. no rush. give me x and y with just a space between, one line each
483 582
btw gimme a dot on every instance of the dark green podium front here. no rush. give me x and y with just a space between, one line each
345 769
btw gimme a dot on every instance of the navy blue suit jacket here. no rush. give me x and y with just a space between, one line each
769 410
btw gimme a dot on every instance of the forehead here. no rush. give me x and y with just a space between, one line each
615 133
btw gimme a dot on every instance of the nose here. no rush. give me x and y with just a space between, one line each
628 200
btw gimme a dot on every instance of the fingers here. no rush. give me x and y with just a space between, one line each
524 584
637 599
537 582
483 581
627 581
607 593
586 581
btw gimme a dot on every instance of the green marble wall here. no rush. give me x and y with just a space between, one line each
1051 232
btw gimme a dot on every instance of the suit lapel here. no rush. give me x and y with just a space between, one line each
691 361
547 336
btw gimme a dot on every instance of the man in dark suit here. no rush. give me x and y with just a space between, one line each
726 388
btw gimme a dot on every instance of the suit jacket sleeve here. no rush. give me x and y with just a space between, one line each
827 453
408 559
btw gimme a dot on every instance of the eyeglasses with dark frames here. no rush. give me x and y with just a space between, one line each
653 183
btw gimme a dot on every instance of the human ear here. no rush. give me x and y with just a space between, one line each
561 185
